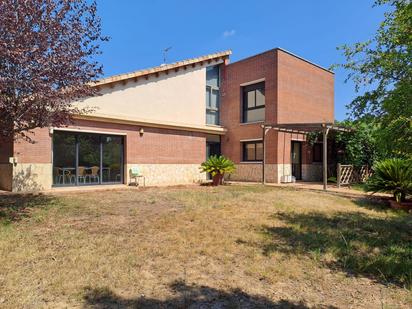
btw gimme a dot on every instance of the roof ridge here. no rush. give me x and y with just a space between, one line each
161 68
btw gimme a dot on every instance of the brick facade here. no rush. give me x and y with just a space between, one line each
155 146
256 68
296 91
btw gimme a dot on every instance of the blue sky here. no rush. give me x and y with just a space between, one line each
140 29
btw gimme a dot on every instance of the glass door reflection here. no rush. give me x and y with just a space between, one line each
86 159
64 158
112 155
88 170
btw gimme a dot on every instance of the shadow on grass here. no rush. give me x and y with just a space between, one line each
15 207
373 203
379 248
187 296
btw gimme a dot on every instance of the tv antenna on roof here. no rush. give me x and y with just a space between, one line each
165 53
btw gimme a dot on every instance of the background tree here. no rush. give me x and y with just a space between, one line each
383 65
47 61
359 147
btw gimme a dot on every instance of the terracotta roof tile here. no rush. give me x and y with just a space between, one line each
161 68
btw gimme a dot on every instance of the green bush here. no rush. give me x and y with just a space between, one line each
392 176
218 165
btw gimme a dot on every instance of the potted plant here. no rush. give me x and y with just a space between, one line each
217 166
393 176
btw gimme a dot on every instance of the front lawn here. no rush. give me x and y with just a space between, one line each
231 246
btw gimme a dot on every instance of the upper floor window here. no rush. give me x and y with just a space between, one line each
254 102
212 95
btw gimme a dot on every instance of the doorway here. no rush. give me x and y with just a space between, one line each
212 148
296 159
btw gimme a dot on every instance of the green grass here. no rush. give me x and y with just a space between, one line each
359 187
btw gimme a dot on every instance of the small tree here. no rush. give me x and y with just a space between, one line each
392 176
217 166
47 50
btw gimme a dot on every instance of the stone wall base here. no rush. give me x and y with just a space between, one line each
38 176
168 174
32 177
274 172
253 172
312 172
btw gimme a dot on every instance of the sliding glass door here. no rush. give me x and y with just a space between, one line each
88 171
64 158
112 153
87 159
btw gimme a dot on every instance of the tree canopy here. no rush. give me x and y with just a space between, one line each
47 61
383 66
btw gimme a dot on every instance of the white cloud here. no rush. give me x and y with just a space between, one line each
228 33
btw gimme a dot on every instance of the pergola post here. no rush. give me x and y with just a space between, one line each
264 154
325 157
302 128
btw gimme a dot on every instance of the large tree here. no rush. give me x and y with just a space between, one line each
47 61
383 66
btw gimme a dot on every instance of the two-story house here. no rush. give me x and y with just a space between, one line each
166 120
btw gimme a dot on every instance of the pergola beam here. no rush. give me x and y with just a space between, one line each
303 128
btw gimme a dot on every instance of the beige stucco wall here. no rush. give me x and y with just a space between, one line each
168 174
177 97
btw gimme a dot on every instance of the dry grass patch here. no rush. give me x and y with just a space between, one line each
234 246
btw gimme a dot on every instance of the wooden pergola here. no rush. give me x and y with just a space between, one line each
303 128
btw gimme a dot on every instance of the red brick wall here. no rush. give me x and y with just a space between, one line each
295 92
305 95
305 91
6 151
39 151
154 146
166 146
284 148
235 74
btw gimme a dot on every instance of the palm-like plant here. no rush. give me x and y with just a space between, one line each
217 166
392 176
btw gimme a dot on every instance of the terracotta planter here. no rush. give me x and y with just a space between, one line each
217 179
407 206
